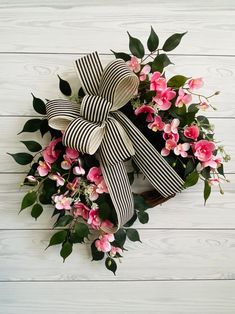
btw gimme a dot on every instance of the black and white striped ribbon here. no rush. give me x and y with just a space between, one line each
96 126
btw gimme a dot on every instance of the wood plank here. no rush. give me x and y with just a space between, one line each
118 297
22 74
68 27
10 126
162 255
179 212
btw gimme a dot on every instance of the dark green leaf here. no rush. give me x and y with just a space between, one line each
207 190
28 200
39 105
32 146
139 202
58 237
220 169
96 255
135 46
177 81
191 179
63 221
131 221
22 158
190 166
122 55
66 250
132 235
193 108
131 177
153 41
120 237
104 210
143 217
160 62
44 127
81 230
111 264
31 125
204 122
36 211
173 41
64 87
206 172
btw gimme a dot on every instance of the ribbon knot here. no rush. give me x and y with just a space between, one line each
96 126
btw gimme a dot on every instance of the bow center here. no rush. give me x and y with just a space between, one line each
95 108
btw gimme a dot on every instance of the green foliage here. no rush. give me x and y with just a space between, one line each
153 41
111 265
143 217
82 230
36 210
96 255
190 166
22 158
120 238
173 41
135 46
207 190
131 221
32 125
160 62
204 122
63 221
139 202
32 146
64 87
66 250
131 177
193 108
58 238
28 200
122 55
177 81
133 235
191 179
39 105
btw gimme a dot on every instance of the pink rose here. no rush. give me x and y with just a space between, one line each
157 124
195 83
203 150
71 153
50 154
157 82
145 109
192 132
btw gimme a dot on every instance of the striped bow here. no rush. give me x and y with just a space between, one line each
96 126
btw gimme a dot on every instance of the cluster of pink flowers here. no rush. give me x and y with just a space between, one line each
103 244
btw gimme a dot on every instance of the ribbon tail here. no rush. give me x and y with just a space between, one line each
156 169
119 188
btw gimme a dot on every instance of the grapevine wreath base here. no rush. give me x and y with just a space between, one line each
128 112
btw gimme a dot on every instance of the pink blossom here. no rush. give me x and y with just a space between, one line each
163 97
157 82
92 193
106 224
183 99
145 109
71 153
203 150
66 163
81 210
73 186
214 163
31 179
172 127
203 105
94 219
181 149
157 124
62 202
144 72
172 136
192 132
102 187
103 243
114 250
50 154
133 64
43 168
214 181
169 145
57 177
94 175
195 83
79 171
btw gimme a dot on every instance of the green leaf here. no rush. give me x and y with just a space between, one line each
143 217
44 127
36 211
22 158
57 238
193 108
111 264
173 41
135 46
204 122
122 55
190 166
139 202
63 221
160 62
39 105
153 41
131 177
31 125
64 87
28 200
207 191
206 172
191 179
104 210
130 222
82 230
66 250
177 81
132 235
96 255
32 146
220 169
120 237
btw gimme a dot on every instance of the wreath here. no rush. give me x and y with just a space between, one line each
128 111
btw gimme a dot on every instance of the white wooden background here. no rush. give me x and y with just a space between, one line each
186 263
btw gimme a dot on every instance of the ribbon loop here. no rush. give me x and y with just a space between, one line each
95 108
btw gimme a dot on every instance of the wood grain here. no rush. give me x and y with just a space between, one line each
195 297
22 74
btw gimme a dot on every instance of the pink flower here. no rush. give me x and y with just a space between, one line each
183 99
192 132
157 82
73 186
144 72
103 244
214 181
145 109
157 124
78 170
169 145
66 163
171 136
62 202
114 250
43 168
102 187
94 175
181 149
213 163
163 97
203 150
93 219
203 105
50 154
57 177
92 193
133 64
71 153
81 210
172 127
195 83
106 224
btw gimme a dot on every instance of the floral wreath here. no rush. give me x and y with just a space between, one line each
127 111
